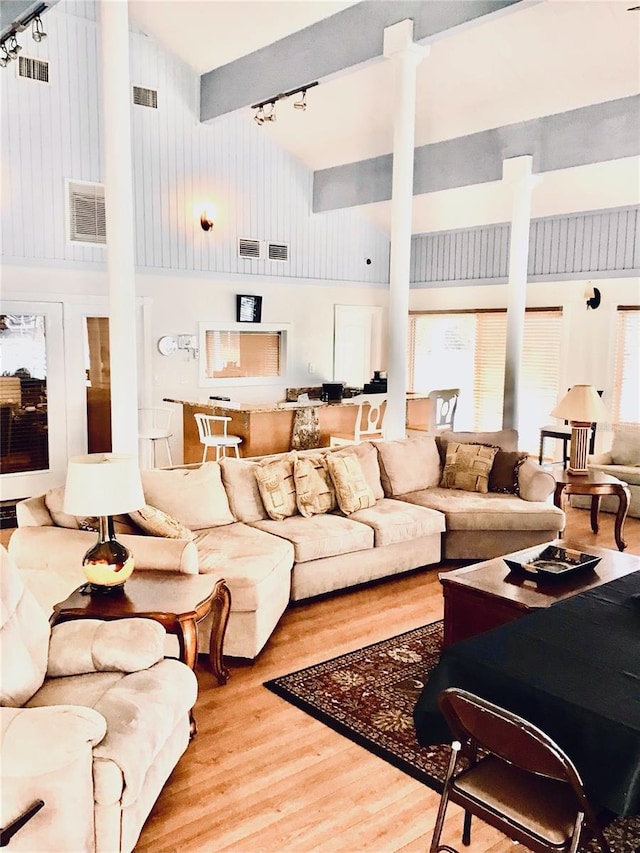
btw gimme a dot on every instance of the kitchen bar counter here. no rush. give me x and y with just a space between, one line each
268 427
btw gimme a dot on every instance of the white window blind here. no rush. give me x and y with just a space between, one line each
231 354
626 384
466 350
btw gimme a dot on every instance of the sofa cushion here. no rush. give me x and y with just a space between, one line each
488 511
467 467
195 496
625 446
245 557
352 490
367 455
241 486
277 487
505 439
54 501
503 476
408 464
320 536
397 521
155 522
314 490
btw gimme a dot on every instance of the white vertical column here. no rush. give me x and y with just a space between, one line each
516 173
405 55
118 175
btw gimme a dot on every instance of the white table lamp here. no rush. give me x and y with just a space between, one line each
104 485
582 407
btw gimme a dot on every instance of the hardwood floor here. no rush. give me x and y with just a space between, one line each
263 776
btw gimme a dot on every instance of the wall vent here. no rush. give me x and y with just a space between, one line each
248 248
145 97
86 213
278 251
33 69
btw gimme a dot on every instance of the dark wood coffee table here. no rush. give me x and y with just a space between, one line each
485 595
596 484
177 601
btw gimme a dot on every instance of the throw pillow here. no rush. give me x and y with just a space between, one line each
467 467
367 456
352 490
408 465
503 476
157 523
277 487
194 496
315 494
54 502
505 439
625 447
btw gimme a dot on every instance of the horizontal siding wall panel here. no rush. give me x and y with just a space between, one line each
52 133
606 241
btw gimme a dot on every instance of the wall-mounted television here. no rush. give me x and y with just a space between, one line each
248 308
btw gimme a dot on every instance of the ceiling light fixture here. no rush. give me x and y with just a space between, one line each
260 117
37 31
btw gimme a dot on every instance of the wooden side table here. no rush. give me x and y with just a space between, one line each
595 484
177 601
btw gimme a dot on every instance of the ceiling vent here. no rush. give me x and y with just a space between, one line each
278 251
248 248
86 213
33 69
145 97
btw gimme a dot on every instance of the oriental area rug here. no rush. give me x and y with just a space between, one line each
369 695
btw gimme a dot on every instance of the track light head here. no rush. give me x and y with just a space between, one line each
259 117
14 47
271 115
37 32
302 103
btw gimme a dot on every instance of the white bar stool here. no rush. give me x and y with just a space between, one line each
154 424
206 425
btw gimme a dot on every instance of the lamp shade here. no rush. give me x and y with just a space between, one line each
103 484
582 404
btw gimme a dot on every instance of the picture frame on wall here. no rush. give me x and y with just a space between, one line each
248 308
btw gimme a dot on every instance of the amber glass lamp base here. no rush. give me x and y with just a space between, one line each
108 563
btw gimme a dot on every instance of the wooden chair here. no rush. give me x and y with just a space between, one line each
154 424
512 776
219 440
562 432
369 422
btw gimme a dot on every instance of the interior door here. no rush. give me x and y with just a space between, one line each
357 343
33 430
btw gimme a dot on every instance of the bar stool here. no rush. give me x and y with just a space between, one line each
154 424
206 425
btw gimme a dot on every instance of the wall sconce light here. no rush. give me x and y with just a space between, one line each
207 217
592 295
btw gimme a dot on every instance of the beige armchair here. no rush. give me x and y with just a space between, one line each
93 719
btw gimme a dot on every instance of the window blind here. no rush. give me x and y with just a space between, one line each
238 354
626 384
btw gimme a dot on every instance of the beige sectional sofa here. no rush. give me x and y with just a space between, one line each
258 525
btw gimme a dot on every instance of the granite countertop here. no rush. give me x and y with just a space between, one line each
273 407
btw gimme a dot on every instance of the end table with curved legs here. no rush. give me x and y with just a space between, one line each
595 484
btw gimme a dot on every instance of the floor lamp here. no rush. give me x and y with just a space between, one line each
581 407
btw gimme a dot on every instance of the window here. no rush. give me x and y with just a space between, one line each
236 355
626 381
466 350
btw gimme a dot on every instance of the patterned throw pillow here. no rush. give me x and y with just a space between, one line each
352 490
277 487
468 466
315 494
504 471
157 523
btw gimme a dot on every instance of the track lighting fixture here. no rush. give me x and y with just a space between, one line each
37 31
14 47
260 117
5 59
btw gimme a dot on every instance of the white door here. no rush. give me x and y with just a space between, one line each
33 431
357 343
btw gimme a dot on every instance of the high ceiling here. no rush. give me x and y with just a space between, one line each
537 58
